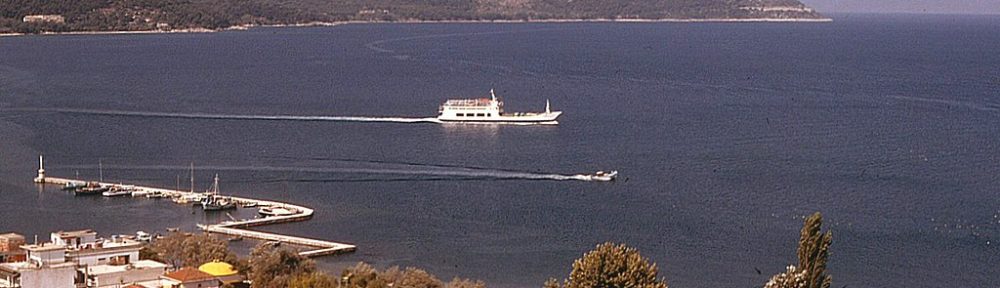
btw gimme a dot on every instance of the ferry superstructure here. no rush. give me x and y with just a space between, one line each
490 110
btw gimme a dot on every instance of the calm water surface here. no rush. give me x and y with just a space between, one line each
726 136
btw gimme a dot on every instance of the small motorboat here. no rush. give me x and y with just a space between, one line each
116 191
142 236
92 188
72 186
193 199
275 211
604 176
139 193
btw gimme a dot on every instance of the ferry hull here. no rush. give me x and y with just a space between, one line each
542 118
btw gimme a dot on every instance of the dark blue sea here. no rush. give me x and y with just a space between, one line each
726 136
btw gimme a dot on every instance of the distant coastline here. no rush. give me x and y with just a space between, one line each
330 24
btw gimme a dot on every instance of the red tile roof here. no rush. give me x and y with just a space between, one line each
188 274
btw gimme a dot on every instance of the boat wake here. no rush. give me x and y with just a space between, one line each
236 116
214 116
441 174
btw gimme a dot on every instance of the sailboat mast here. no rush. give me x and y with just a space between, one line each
192 177
215 185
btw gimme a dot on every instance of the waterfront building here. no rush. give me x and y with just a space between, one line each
114 252
73 238
143 272
188 277
46 268
80 259
10 248
44 19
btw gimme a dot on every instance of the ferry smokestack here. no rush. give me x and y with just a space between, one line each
41 170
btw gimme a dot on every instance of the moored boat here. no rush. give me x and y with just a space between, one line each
70 186
214 202
115 191
275 211
217 203
92 188
490 110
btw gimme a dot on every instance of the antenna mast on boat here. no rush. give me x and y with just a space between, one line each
100 168
192 177
215 186
494 95
547 109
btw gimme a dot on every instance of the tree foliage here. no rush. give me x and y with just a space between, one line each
465 283
813 253
814 250
612 266
312 280
272 267
192 250
365 276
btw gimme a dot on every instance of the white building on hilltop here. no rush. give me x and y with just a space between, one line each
46 268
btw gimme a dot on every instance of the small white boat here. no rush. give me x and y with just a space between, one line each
116 191
142 236
139 193
194 199
604 176
275 211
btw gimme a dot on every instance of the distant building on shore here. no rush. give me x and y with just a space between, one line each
78 259
51 18
10 248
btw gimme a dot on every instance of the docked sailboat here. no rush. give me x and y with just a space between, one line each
490 110
214 202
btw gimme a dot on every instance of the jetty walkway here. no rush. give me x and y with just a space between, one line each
236 227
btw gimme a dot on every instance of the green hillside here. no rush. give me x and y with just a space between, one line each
134 15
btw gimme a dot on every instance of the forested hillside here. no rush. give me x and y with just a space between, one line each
132 15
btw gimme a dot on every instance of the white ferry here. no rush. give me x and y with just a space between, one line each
490 110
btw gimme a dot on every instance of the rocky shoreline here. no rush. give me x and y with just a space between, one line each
330 24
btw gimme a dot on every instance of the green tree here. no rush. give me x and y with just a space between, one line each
272 267
814 250
312 280
612 266
362 275
813 253
185 249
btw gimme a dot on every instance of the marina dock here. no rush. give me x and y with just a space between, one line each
236 227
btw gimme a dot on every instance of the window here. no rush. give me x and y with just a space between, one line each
489 114
479 114
460 114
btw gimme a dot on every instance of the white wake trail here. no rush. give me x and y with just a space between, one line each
452 172
242 117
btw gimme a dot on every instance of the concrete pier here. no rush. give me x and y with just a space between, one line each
237 227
